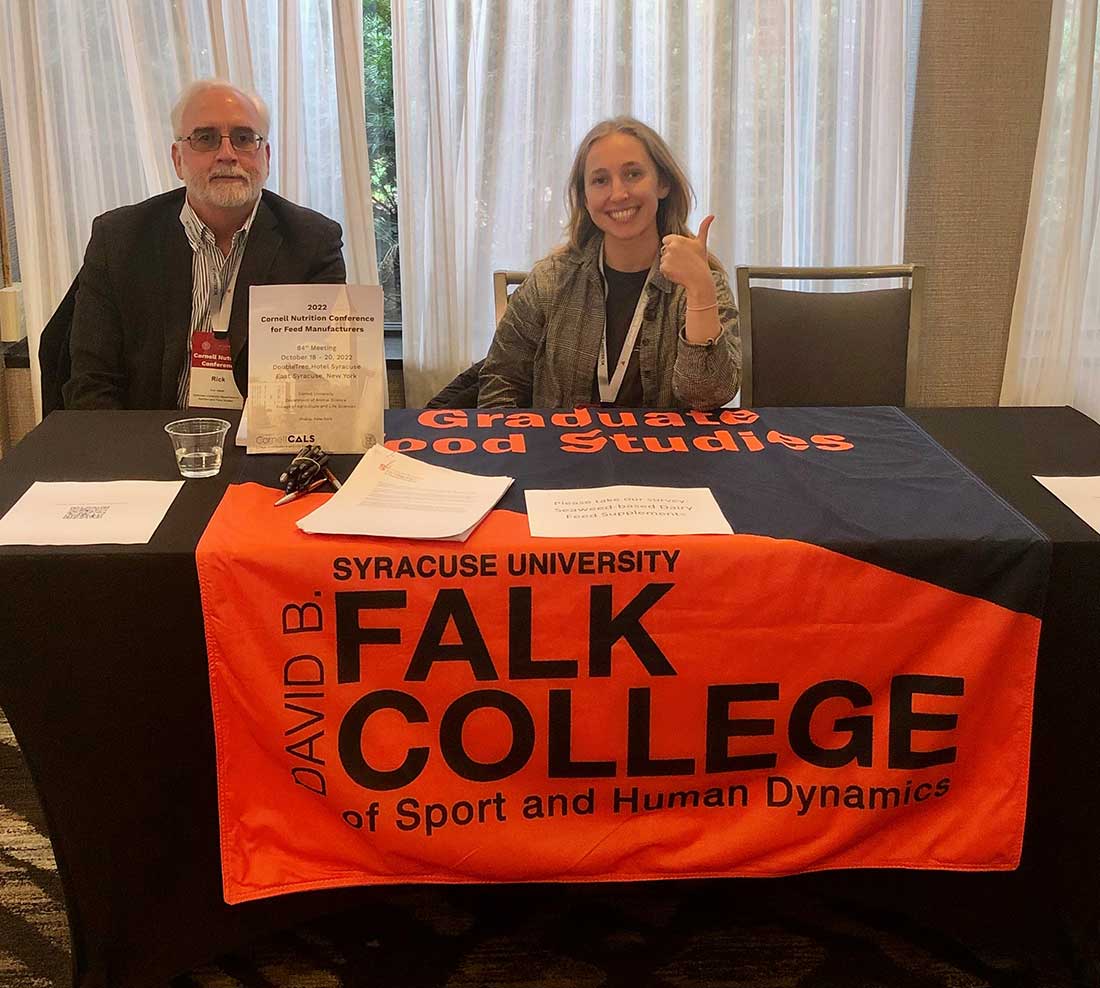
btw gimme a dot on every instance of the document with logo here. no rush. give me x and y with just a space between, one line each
625 510
114 512
316 367
392 494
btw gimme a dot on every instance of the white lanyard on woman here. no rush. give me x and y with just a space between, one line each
609 389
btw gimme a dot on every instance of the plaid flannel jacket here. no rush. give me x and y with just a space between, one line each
546 347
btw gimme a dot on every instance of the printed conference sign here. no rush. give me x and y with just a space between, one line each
316 367
519 709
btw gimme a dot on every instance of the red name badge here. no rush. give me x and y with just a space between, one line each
212 384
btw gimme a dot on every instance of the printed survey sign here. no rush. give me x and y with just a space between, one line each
316 367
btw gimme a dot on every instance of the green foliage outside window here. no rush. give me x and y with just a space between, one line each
378 97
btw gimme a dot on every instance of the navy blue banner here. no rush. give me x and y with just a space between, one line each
866 482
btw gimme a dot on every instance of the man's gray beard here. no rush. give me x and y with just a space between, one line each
232 195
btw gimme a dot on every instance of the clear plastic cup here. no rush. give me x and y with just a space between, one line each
198 444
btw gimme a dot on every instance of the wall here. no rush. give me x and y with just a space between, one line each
975 125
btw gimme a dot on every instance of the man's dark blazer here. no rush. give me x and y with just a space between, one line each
133 306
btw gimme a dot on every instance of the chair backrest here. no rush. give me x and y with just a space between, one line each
503 282
53 351
461 392
829 348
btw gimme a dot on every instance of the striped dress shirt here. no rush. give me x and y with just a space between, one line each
212 275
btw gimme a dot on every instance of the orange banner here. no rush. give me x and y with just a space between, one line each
518 709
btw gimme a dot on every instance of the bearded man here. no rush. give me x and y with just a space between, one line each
165 283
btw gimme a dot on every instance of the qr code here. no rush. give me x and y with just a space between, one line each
84 512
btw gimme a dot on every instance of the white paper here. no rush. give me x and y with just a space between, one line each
394 495
114 512
242 428
316 367
1080 494
625 510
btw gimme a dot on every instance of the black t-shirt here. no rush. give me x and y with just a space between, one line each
624 288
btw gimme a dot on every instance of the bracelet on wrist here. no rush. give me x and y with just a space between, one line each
702 308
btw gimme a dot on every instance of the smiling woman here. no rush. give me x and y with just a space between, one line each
633 310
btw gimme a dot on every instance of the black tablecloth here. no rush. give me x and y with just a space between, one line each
119 737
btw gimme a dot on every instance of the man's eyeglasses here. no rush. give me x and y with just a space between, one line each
210 139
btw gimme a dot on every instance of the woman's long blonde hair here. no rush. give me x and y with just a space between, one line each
672 210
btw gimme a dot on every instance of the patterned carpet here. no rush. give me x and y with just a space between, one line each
796 933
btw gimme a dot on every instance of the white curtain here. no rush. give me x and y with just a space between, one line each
1054 343
87 89
788 115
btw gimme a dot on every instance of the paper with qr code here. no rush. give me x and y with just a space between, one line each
114 512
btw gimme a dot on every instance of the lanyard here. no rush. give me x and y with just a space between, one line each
609 389
219 321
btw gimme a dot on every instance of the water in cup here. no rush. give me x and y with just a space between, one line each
199 463
198 443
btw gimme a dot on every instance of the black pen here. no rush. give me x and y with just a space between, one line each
294 495
305 456
292 475
303 469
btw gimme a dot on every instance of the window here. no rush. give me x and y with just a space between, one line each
9 257
378 97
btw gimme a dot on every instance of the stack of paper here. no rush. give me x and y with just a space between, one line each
395 495
112 512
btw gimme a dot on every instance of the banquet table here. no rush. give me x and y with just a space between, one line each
103 678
